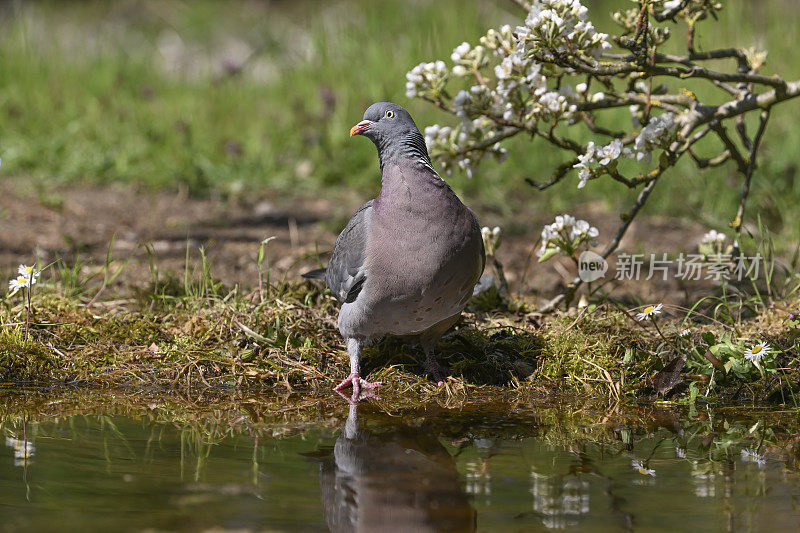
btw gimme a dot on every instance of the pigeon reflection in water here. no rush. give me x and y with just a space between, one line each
402 479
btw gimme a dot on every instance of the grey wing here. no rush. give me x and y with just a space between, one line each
345 274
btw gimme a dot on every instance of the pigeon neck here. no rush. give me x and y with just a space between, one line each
409 147
410 184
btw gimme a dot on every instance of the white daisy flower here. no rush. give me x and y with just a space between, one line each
756 352
750 455
23 449
639 467
649 312
29 272
20 282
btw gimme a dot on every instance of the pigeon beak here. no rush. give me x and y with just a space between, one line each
360 128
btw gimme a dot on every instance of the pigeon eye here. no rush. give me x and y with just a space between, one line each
389 114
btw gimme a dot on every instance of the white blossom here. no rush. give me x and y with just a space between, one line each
460 51
15 284
638 465
756 353
584 176
751 455
601 156
491 239
610 152
29 272
649 312
504 69
551 23
26 277
450 146
566 233
713 237
23 450
425 77
553 102
651 135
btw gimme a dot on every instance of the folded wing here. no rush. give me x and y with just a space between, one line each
345 275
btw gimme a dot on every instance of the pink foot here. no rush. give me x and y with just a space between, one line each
353 400
357 383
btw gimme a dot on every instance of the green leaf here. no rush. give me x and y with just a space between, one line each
630 356
548 254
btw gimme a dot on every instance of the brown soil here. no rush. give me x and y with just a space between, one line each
78 223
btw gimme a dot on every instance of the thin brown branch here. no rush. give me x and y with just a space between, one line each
742 131
628 218
669 13
702 72
730 146
491 141
722 53
751 165
708 162
666 101
676 151
728 88
649 95
632 183
588 119
705 114
674 72
557 176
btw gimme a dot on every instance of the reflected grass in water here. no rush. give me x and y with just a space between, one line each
100 459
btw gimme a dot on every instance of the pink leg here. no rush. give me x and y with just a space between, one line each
354 347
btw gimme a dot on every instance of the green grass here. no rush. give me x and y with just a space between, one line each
196 333
85 99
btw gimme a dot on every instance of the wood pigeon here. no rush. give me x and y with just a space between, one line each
408 260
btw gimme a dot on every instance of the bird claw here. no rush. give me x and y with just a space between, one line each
358 384
362 395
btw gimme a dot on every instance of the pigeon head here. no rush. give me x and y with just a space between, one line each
394 133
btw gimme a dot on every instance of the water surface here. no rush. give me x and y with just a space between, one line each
484 468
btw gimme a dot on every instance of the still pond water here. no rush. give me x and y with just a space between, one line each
366 469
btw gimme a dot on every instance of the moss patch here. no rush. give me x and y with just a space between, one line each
286 338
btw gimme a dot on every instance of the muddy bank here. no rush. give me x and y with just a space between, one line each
77 224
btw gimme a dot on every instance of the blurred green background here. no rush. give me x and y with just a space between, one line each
241 99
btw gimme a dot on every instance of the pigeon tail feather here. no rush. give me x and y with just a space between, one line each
317 273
